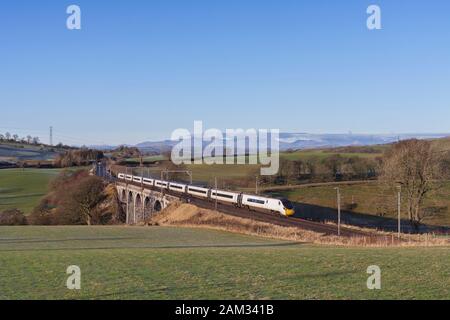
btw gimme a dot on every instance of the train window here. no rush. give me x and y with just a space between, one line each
197 190
255 201
223 195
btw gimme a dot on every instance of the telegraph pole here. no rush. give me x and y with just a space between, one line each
162 174
215 182
399 205
339 209
51 136
256 186
126 184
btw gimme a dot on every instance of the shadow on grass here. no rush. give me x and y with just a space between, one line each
326 214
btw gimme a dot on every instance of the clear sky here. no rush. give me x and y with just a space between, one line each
137 70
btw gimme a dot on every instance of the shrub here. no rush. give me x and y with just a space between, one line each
12 217
42 214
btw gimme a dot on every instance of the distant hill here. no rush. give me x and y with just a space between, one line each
302 141
157 147
298 141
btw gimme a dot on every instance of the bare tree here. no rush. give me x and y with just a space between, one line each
417 168
334 165
80 203
29 139
16 137
298 168
8 136
286 171
36 140
310 167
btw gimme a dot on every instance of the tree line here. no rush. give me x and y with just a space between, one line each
8 137
332 168
77 157
30 140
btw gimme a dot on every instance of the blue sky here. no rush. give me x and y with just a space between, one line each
140 69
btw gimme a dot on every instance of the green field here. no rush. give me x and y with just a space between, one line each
137 161
323 154
204 173
23 188
230 173
175 263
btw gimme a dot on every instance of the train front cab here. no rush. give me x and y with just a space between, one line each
289 209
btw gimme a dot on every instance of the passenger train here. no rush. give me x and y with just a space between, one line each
241 200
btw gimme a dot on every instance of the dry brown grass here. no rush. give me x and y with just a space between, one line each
188 215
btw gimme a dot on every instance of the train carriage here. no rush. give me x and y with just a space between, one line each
137 179
161 184
251 202
148 182
225 196
198 192
177 187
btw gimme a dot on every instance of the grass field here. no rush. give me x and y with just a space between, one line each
23 189
206 173
323 154
175 263
137 161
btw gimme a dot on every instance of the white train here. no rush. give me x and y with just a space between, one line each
241 200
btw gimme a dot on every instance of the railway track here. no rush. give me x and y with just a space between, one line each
266 217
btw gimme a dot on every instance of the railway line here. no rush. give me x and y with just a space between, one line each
280 220
263 216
